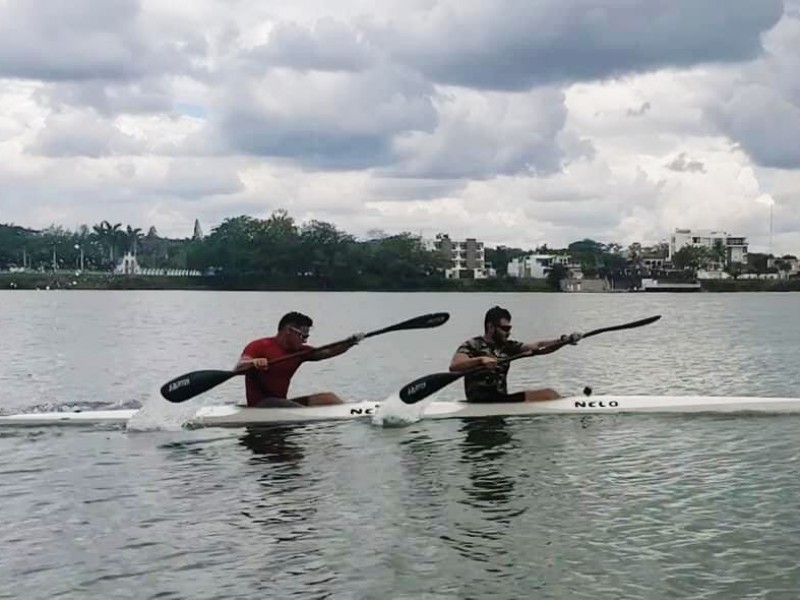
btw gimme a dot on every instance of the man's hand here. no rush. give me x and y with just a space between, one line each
488 362
356 338
261 364
572 338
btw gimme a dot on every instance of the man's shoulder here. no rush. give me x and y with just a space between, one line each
261 343
513 346
474 343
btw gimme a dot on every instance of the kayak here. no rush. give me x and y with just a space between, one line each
238 416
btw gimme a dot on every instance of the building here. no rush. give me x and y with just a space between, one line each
467 258
128 265
786 266
735 246
538 266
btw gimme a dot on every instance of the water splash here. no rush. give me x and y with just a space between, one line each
393 412
159 415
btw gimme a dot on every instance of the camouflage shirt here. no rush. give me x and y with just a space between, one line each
490 382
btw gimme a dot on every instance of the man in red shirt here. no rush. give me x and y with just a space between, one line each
266 385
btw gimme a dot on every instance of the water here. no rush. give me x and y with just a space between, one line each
547 507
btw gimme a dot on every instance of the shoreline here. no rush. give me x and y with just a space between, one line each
106 281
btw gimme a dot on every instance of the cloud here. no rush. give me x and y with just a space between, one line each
80 40
639 112
82 134
327 45
482 136
761 107
513 45
195 179
325 120
681 164
766 123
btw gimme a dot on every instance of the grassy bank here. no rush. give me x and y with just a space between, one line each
105 281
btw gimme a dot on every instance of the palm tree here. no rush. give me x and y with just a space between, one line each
132 238
109 237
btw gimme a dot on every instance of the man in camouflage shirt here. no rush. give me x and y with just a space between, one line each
485 355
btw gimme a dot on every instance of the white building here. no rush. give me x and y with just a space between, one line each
538 266
128 265
467 258
735 246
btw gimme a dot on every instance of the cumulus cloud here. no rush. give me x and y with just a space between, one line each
327 45
325 120
82 134
682 164
761 109
481 136
513 45
80 40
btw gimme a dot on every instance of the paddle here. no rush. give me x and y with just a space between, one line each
189 385
421 388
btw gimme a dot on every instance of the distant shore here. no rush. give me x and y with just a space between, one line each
106 281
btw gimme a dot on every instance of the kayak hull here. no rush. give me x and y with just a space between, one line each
239 416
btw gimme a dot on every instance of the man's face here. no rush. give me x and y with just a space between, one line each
297 336
500 331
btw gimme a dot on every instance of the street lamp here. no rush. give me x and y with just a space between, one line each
79 247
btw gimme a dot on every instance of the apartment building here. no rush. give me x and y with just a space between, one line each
467 257
735 246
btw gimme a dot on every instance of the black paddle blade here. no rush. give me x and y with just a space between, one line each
630 325
191 384
421 388
421 322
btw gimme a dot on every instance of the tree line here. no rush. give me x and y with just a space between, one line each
95 248
317 254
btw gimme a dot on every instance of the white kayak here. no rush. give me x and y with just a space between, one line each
239 416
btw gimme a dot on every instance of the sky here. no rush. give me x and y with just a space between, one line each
519 123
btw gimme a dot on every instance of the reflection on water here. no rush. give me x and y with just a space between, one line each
485 444
273 444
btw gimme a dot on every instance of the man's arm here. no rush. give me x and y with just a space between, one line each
464 362
549 346
326 353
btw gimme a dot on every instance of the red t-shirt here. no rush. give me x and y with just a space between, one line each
274 382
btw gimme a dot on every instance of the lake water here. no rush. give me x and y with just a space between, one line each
629 506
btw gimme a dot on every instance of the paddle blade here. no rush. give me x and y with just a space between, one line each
421 388
191 384
421 322
630 325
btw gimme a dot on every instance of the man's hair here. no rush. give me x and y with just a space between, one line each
495 314
296 319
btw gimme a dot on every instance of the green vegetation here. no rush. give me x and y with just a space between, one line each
279 254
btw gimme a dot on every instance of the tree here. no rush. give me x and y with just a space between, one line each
501 256
719 253
690 257
757 262
588 253
556 274
109 237
131 239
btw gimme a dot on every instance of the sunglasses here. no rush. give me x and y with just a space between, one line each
303 334
506 328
